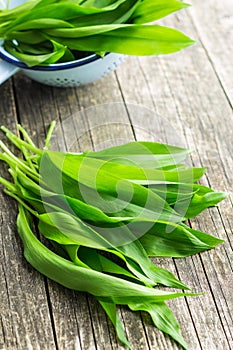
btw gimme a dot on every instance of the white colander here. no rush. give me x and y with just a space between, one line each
69 74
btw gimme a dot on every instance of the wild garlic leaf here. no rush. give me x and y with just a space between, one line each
119 197
82 279
202 199
150 10
103 26
168 240
105 216
142 40
32 60
67 229
163 319
143 154
110 309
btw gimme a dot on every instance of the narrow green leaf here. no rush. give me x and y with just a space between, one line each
32 37
81 176
110 309
34 60
41 23
135 39
150 10
163 319
68 230
169 240
78 278
142 154
81 32
83 232
202 199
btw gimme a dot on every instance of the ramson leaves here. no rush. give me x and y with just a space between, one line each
106 213
119 26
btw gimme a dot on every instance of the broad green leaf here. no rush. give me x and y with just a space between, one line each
203 198
81 32
141 40
136 252
110 309
43 199
73 212
99 262
168 240
68 230
113 15
72 252
164 239
137 172
32 37
78 278
142 154
34 49
81 177
174 193
42 23
99 3
103 26
151 10
163 319
68 11
17 11
33 60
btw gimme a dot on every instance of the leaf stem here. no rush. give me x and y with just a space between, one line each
17 161
25 135
19 143
7 184
7 159
49 134
19 200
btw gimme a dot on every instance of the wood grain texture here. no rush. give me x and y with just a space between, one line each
200 117
183 99
25 314
214 20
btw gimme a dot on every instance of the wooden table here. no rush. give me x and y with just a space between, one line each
183 99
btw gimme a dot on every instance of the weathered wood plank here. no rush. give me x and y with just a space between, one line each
25 316
73 324
200 116
109 120
70 311
213 22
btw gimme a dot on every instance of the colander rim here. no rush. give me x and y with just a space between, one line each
51 67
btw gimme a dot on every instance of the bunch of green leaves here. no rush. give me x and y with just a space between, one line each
49 31
105 214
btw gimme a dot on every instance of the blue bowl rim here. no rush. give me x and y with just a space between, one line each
52 67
